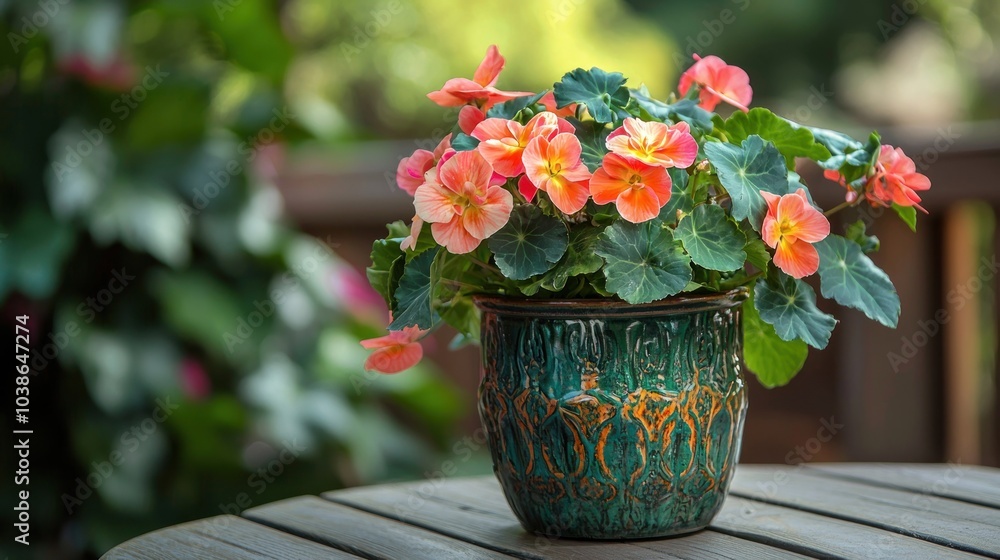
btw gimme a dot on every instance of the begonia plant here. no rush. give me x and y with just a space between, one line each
594 189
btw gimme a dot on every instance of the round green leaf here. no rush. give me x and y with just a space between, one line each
602 92
413 295
712 239
774 361
747 169
790 140
643 262
531 243
851 279
789 305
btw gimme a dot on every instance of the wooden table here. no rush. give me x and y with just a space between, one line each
821 510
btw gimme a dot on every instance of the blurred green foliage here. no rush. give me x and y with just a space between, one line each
182 335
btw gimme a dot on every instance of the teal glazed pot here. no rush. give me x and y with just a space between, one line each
613 421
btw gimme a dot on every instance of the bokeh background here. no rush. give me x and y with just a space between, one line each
189 190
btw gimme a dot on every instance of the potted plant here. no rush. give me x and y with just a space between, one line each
618 257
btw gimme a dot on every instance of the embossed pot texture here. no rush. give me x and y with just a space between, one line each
613 421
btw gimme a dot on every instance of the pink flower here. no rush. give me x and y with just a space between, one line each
790 227
637 190
394 352
360 300
410 242
717 81
194 381
654 143
461 204
555 167
411 170
480 89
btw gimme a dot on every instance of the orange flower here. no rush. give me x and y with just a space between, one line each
461 203
469 117
894 179
790 227
654 143
502 141
717 81
479 90
394 352
638 190
554 166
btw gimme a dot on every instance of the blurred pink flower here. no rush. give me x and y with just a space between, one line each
360 300
194 381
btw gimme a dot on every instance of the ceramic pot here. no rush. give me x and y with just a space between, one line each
613 421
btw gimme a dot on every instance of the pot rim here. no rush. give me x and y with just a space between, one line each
610 307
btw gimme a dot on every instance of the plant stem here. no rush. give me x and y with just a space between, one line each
838 208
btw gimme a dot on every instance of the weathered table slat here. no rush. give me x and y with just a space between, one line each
817 535
225 536
362 533
960 525
960 482
821 511
468 509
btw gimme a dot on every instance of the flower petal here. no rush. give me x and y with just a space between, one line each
396 358
797 258
488 70
638 205
487 219
453 236
434 203
465 167
568 196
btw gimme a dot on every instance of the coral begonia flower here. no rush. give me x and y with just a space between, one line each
461 204
654 143
469 117
479 90
394 352
502 141
790 227
411 170
638 190
549 102
896 179
717 81
554 166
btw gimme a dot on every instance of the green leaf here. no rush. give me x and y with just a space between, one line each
453 277
756 250
686 110
644 263
604 93
851 279
531 243
680 198
746 170
774 361
463 142
908 214
387 263
413 296
712 239
580 258
592 136
857 233
789 305
791 141
509 109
